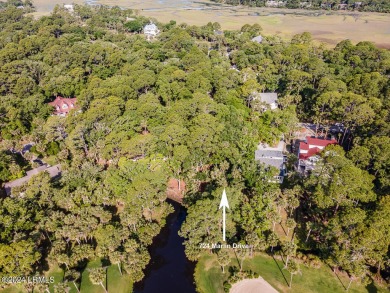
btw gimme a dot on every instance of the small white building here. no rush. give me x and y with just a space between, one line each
257 39
273 3
69 7
151 30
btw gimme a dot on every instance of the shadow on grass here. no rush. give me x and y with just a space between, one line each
280 270
371 288
341 282
280 224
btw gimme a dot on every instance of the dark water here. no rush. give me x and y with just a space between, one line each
169 271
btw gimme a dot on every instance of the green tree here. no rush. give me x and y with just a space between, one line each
223 259
290 224
61 288
73 276
241 255
98 277
293 269
289 249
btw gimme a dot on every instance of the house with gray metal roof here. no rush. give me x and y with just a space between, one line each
264 101
273 157
270 99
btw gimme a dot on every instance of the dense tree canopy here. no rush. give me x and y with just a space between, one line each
181 107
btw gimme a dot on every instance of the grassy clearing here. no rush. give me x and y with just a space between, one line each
209 280
311 280
114 282
86 285
58 275
117 282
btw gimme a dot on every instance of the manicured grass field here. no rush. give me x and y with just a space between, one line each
58 275
115 282
209 277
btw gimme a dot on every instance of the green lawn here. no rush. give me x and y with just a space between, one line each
115 281
58 275
86 285
209 277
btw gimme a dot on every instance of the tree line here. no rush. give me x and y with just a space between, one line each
370 5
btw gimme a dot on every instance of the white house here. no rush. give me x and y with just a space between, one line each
151 30
273 3
69 7
257 39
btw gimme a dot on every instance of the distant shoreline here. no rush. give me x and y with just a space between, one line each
329 27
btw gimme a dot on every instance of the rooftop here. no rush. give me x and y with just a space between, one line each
271 155
310 153
312 146
63 105
269 98
257 39
151 26
320 141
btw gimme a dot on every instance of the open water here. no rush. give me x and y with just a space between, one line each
169 271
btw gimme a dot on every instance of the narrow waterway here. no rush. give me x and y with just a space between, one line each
169 271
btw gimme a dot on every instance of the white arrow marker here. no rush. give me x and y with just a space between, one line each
224 204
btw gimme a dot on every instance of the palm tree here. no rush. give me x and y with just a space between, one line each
275 217
223 259
63 259
293 269
241 253
116 258
61 288
97 277
290 223
272 240
289 249
41 287
73 276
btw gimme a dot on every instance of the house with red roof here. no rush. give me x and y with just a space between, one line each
62 106
309 150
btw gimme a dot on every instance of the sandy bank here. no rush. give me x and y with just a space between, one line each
258 285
